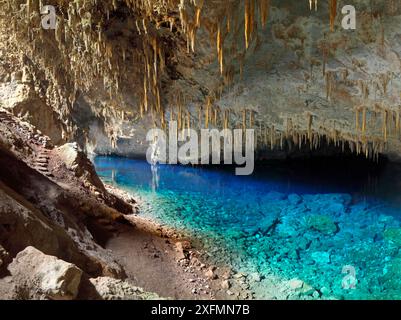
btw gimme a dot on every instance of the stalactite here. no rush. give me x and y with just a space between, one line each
243 120
309 121
385 124
220 50
207 114
200 116
357 119
313 4
333 13
188 122
329 84
272 138
247 22
364 120
264 7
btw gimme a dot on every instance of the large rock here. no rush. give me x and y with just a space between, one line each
76 161
40 276
113 289
21 100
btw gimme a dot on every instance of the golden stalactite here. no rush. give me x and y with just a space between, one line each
385 124
264 8
220 49
247 22
333 13
363 120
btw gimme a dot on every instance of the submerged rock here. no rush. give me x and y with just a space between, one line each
40 276
321 223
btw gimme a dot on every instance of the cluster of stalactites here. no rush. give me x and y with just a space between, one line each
295 132
85 54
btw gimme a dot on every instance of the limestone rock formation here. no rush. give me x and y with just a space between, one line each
40 276
107 288
112 69
77 162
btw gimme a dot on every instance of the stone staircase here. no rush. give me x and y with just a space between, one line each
41 162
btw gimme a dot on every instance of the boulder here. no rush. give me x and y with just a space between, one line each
181 247
40 276
113 289
76 161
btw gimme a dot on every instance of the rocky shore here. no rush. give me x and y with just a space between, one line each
64 235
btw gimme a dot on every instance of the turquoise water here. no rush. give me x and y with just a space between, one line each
303 221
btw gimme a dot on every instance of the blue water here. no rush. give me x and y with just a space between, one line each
305 220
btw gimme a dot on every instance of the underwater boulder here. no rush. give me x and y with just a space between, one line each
321 223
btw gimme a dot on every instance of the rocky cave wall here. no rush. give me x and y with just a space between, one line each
113 69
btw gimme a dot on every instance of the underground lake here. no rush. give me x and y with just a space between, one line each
334 224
